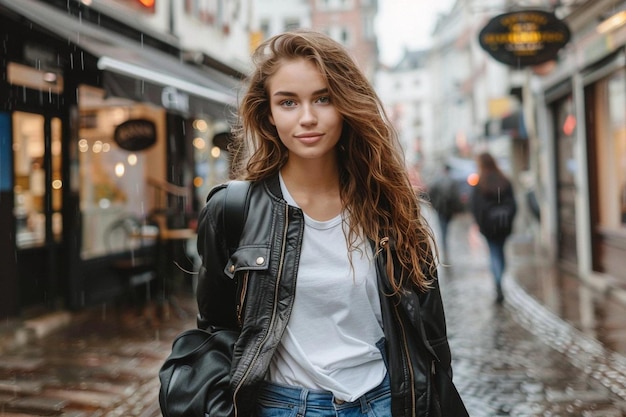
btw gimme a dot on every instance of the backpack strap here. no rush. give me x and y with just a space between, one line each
235 211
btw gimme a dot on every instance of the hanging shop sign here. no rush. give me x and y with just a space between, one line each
135 134
524 38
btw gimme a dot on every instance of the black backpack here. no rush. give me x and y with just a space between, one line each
195 378
497 218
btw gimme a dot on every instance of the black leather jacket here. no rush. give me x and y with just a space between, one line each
253 289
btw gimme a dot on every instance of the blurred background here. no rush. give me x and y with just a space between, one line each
115 121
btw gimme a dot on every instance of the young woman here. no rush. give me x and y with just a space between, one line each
333 285
493 206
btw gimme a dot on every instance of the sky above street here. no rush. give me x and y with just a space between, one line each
406 23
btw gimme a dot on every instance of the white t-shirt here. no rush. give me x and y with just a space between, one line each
330 340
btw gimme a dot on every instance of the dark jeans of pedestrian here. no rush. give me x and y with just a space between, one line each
444 224
497 261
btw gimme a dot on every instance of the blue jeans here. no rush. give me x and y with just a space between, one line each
497 261
444 225
287 401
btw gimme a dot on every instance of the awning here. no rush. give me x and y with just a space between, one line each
136 71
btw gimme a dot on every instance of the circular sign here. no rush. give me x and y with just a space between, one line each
524 38
135 134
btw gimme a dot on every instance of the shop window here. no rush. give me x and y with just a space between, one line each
56 185
31 187
114 182
611 151
567 169
211 157
28 151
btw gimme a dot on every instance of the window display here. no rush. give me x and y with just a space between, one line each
114 182
29 145
611 146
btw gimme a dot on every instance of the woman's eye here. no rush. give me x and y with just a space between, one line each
324 100
288 103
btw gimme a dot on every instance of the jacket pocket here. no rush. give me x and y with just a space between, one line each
247 258
243 261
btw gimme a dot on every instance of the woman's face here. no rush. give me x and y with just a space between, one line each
301 109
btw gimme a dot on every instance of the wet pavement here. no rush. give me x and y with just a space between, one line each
104 363
521 358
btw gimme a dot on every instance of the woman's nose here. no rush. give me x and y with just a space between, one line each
308 115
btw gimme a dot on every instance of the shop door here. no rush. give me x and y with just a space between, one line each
566 182
606 131
38 191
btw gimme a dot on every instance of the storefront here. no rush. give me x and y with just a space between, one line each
95 127
585 98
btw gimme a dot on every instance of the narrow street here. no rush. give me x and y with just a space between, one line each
505 363
509 360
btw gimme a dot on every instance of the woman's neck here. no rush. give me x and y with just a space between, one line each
315 189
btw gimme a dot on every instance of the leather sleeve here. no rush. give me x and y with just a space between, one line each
216 291
433 319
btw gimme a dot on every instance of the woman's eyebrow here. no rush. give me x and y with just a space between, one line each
290 94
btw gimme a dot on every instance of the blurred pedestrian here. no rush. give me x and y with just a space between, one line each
333 219
445 199
493 206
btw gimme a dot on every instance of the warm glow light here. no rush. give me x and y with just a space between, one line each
472 179
50 77
97 147
147 3
215 152
199 143
132 159
197 182
613 22
119 169
569 125
83 145
200 125
57 184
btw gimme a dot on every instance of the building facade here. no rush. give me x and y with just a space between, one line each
581 121
406 91
562 123
350 22
106 115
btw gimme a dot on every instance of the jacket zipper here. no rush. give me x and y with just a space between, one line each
242 298
278 277
407 358
383 242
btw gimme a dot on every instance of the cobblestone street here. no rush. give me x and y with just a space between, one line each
514 359
105 363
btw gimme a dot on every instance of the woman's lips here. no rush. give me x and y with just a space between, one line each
309 138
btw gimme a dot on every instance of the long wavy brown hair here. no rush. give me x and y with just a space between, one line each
374 183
